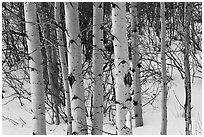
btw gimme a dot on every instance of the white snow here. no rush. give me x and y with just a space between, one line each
176 123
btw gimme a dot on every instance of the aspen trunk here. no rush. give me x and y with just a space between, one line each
51 53
137 101
97 69
51 82
62 50
164 78
187 81
55 93
75 69
35 64
122 74
45 73
55 69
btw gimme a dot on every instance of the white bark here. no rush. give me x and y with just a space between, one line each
164 77
121 61
75 68
35 64
187 81
62 50
97 69
137 101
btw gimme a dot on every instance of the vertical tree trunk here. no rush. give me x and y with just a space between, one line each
45 73
50 71
137 101
55 68
55 84
35 64
187 82
51 76
164 78
75 68
97 68
62 50
121 60
51 53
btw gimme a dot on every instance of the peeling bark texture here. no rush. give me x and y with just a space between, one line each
187 80
122 67
164 77
97 126
62 50
36 78
136 66
79 125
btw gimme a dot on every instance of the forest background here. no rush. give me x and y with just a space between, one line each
15 57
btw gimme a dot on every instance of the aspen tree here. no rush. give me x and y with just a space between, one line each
50 73
62 50
97 68
79 125
187 80
121 61
48 32
55 70
55 93
164 77
35 64
137 102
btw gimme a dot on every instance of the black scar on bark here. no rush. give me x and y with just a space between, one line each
34 118
83 129
101 27
74 133
33 69
133 70
135 103
136 115
134 30
30 58
100 6
116 102
75 97
124 107
78 108
124 127
122 62
115 5
132 93
71 79
128 79
139 65
128 99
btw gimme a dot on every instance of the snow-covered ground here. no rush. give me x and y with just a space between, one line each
152 120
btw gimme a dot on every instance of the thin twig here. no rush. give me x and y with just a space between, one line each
178 100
